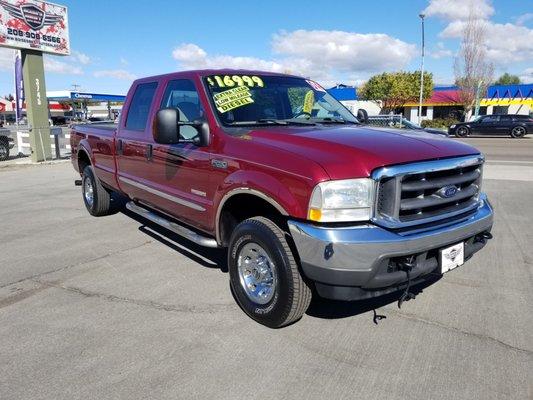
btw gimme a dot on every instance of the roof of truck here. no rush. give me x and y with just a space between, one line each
224 71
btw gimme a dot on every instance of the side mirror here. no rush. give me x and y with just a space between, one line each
166 128
362 116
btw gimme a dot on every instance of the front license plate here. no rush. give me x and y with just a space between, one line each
452 257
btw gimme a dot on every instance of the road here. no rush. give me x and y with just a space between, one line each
108 308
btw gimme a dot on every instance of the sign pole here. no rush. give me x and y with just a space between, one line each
36 105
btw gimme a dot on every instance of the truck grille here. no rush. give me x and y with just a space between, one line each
426 192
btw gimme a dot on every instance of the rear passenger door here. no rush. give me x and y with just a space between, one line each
133 144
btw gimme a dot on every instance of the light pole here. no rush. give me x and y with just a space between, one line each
422 16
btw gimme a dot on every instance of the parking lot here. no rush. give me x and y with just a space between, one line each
102 308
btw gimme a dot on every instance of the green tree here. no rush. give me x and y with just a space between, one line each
507 79
395 89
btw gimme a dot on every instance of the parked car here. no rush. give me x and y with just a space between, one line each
274 169
515 125
397 121
6 144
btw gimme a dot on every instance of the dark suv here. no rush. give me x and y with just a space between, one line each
514 125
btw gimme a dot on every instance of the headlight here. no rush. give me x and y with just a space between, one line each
342 201
452 126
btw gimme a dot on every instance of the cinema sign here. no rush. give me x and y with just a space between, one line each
34 25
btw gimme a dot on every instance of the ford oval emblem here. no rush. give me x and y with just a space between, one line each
448 191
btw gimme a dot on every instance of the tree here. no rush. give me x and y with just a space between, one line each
473 71
508 79
395 89
9 97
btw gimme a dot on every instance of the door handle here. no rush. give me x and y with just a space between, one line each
120 147
149 152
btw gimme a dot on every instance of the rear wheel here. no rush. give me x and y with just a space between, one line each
4 150
462 131
518 132
96 198
264 275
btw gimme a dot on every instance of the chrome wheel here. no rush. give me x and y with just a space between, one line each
88 192
257 273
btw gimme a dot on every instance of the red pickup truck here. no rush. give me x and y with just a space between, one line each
304 197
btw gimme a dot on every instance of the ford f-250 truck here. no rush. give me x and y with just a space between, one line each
277 171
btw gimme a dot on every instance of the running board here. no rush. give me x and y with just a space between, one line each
172 226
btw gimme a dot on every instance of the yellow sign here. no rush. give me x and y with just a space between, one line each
232 80
232 98
309 102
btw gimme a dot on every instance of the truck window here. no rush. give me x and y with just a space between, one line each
182 95
140 106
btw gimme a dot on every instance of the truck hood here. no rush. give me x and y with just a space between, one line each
352 151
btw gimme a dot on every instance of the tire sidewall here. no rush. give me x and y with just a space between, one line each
518 136
6 147
275 311
461 129
88 174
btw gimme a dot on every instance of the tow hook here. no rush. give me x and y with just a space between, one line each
483 237
407 264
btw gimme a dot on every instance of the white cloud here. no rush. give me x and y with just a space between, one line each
52 64
321 55
522 19
80 57
6 59
505 43
527 76
459 9
115 73
124 62
440 51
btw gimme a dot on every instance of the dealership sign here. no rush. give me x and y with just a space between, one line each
34 25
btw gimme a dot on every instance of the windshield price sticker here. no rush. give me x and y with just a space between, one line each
232 80
315 86
232 98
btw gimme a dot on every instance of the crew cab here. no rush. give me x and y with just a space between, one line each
305 198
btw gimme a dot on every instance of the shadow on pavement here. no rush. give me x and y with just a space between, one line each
333 309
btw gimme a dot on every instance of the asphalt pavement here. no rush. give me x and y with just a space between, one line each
112 308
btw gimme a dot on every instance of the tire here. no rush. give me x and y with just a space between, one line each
97 199
4 150
462 131
518 132
289 295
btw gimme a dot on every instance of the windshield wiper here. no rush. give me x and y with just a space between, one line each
272 121
329 120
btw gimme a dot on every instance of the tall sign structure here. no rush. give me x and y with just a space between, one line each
35 27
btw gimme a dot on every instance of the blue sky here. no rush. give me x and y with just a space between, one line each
113 42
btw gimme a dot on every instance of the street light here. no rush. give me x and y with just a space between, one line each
422 16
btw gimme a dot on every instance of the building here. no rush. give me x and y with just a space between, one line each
445 102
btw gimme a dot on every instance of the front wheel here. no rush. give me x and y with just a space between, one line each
462 131
518 132
264 275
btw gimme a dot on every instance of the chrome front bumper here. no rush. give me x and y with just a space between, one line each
363 255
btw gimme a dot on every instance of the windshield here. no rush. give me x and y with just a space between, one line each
264 100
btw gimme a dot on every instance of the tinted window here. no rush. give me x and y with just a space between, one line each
182 95
140 106
490 119
505 118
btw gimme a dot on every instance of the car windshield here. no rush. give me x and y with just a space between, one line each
273 100
410 125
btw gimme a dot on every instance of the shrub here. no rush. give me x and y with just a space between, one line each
439 123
